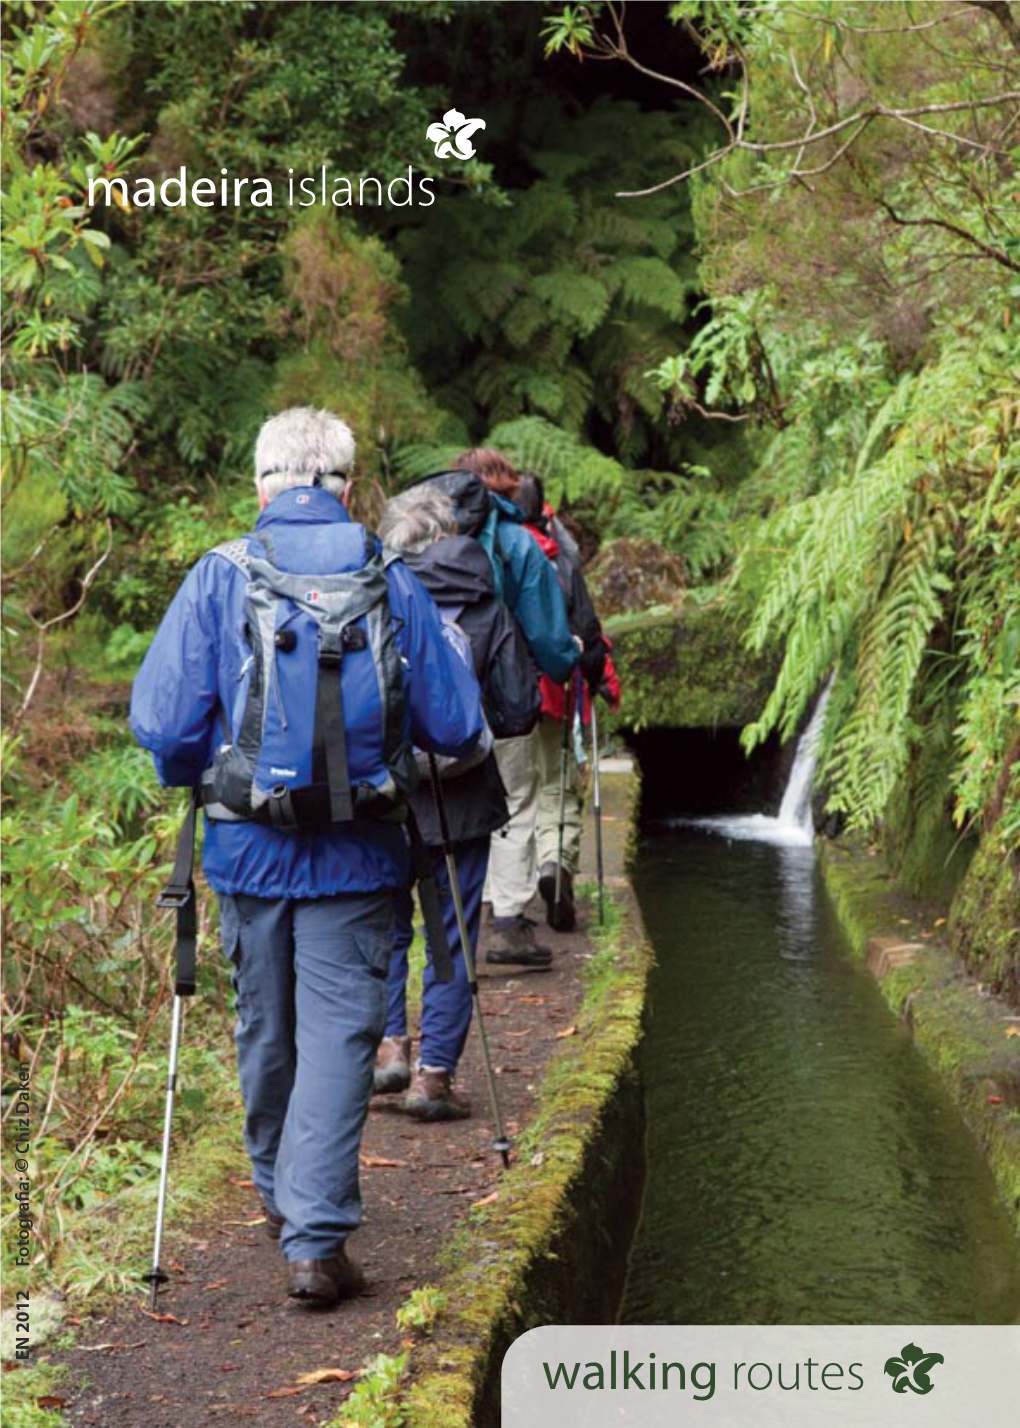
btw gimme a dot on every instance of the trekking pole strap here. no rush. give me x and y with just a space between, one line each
431 906
179 893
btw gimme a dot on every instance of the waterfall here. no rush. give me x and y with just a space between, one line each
793 827
795 809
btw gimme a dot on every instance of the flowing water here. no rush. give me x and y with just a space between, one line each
804 1165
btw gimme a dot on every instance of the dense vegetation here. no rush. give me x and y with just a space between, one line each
793 363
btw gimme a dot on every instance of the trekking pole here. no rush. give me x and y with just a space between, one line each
597 804
179 893
568 729
501 1143
156 1275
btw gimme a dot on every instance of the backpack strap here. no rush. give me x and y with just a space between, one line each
423 872
179 893
237 552
329 746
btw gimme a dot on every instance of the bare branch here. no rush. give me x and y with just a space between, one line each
862 117
1001 12
998 255
9 579
840 24
42 626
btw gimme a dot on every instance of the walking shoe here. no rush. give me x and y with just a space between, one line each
392 1065
565 918
432 1097
274 1224
515 943
321 1282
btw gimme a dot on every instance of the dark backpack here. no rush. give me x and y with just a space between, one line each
457 574
318 731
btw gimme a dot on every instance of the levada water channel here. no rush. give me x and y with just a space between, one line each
804 1165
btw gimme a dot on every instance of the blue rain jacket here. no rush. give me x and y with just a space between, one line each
191 673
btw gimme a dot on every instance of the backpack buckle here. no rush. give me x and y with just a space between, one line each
174 897
331 647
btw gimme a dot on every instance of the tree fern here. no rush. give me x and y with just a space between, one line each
874 569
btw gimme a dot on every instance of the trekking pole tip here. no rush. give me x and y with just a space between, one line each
154 1278
502 1145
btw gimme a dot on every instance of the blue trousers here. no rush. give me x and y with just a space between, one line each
446 1006
310 978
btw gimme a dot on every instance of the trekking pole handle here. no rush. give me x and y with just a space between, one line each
440 802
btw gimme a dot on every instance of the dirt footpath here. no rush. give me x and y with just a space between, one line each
236 1346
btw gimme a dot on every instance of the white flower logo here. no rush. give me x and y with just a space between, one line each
452 137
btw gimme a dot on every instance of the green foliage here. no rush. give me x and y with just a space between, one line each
423 1307
555 307
902 572
375 1403
916 213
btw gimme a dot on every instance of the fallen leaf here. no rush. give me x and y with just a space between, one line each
50 1400
283 1393
164 1318
567 1031
177 1268
105 1348
533 1000
940 922
1013 1030
995 1100
245 1184
326 1375
485 1200
216 1284
381 1162
246 1224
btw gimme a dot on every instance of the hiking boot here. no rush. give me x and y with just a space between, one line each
274 1224
432 1097
515 943
564 918
392 1065
321 1282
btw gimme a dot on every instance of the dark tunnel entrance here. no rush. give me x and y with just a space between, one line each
701 771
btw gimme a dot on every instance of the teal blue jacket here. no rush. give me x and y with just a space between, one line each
525 580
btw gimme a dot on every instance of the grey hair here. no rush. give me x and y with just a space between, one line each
416 518
300 444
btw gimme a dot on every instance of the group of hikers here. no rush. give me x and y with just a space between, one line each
348 706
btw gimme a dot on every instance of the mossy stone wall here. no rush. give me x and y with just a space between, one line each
687 668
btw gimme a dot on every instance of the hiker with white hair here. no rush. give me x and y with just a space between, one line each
421 526
287 683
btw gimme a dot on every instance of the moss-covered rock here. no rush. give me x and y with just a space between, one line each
687 668
984 924
631 575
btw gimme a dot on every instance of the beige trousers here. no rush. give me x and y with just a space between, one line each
530 769
547 822
513 875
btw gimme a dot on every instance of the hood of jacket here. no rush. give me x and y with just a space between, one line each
471 498
455 570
